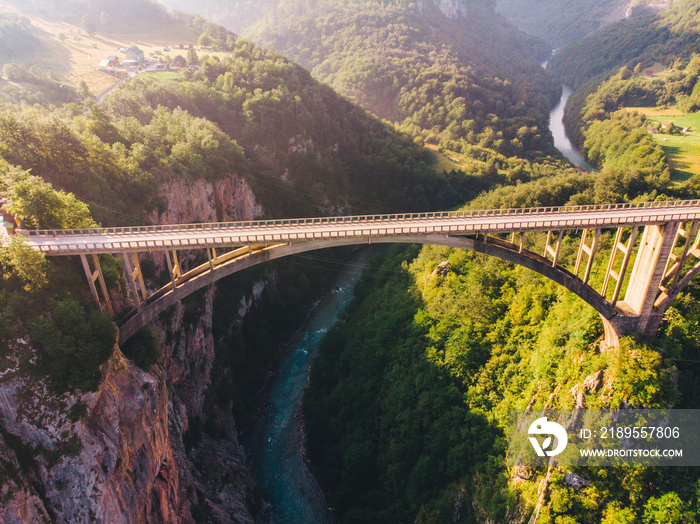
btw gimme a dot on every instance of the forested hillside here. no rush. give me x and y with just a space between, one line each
460 80
670 34
633 68
408 401
630 88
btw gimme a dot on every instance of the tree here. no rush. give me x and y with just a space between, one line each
204 39
23 264
145 348
616 514
192 58
669 509
74 343
84 90
42 207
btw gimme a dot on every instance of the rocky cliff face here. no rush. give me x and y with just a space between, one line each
638 9
102 456
451 8
129 452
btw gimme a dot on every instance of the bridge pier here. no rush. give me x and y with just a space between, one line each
648 274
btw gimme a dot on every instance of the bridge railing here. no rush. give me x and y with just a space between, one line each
354 219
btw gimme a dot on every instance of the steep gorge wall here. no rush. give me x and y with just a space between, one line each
452 8
121 454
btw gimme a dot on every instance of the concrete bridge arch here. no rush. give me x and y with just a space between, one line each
613 321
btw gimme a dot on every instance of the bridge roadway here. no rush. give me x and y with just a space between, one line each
199 236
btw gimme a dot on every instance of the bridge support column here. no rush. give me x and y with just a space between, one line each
554 251
134 279
619 277
94 277
612 338
584 248
173 267
648 273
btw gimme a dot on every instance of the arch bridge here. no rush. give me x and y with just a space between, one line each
659 241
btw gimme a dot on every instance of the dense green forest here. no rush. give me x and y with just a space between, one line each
665 36
458 82
408 400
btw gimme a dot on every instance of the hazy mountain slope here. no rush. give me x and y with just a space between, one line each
235 15
559 22
115 16
671 33
451 73
372 52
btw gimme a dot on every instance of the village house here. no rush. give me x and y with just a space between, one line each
110 61
134 54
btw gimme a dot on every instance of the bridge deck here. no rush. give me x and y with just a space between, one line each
186 236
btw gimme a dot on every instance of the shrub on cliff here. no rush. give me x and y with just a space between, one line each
145 348
74 342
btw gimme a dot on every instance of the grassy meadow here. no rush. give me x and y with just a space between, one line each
682 151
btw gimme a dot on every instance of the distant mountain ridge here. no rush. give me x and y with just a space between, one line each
560 22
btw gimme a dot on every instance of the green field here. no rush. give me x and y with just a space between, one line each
163 76
682 151
449 160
